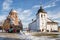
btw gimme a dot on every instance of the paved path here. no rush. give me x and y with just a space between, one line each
45 33
9 36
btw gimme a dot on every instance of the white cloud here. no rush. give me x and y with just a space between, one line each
27 12
25 16
3 17
36 6
7 4
55 17
48 5
51 4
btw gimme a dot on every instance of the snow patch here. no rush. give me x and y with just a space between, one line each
28 36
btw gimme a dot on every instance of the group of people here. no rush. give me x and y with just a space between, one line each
12 30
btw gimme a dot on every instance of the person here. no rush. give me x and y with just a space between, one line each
10 30
18 30
6 30
14 30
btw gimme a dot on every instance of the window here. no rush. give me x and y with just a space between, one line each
44 15
41 15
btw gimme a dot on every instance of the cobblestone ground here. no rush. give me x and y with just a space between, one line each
9 36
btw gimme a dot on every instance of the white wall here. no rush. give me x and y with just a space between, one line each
43 20
33 26
52 26
49 27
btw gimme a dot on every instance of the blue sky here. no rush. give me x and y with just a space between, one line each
27 9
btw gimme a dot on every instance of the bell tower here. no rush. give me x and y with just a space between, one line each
42 19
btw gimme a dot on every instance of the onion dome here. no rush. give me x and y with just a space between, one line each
41 10
13 10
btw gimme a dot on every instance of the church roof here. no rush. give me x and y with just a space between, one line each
33 21
41 10
51 21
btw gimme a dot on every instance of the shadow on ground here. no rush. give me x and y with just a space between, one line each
3 38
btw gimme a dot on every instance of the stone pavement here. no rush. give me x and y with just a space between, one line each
9 36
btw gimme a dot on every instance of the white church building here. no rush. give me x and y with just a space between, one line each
43 23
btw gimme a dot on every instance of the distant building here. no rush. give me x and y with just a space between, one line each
1 24
43 23
59 28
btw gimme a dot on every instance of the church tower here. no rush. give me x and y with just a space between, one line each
11 20
42 19
13 17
